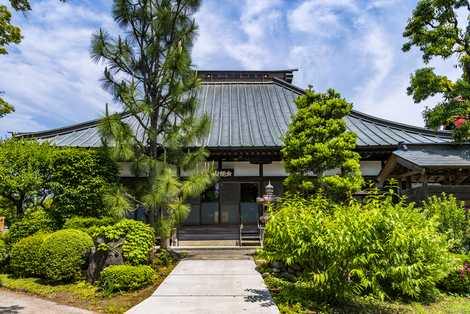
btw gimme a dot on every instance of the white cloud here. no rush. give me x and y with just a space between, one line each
51 79
378 4
248 40
351 45
322 17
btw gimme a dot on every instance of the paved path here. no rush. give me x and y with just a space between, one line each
18 303
206 286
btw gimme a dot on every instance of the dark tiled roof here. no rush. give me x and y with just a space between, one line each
256 114
431 156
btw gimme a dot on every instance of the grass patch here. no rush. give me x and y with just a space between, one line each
83 295
287 300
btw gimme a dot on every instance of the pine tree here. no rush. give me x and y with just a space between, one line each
149 72
317 144
434 29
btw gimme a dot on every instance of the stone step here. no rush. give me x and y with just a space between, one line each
208 236
250 243
250 236
208 243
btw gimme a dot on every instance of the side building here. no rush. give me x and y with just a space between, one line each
251 110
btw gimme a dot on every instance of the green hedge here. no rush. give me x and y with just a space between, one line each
126 277
139 239
33 221
26 259
65 252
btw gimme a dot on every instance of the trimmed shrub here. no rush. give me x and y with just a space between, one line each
88 224
66 252
33 221
80 177
458 281
377 248
26 259
126 277
139 239
449 213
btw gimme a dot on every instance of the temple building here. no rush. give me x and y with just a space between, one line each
251 110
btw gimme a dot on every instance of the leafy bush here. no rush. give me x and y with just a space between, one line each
33 221
87 224
377 248
66 253
126 277
452 221
3 252
458 281
163 258
139 239
73 179
80 178
26 259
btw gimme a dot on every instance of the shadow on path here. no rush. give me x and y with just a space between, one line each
261 296
13 309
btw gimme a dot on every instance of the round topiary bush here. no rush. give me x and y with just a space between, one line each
25 257
66 252
126 277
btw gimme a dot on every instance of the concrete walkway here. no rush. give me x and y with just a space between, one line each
207 286
18 303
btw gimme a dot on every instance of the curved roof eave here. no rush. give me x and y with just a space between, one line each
372 131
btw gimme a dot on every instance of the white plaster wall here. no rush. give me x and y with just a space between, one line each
275 169
242 168
332 172
371 167
204 164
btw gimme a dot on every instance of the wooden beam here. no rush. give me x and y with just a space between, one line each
409 174
460 180
387 169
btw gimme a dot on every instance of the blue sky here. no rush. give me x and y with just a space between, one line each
350 45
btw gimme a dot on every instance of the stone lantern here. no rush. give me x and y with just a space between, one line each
266 200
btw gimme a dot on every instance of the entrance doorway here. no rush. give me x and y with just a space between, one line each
249 209
229 203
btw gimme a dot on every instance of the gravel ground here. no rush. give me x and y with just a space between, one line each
18 303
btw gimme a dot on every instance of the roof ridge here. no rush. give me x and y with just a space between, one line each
290 86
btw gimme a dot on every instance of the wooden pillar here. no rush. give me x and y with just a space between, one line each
408 183
424 179
219 169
